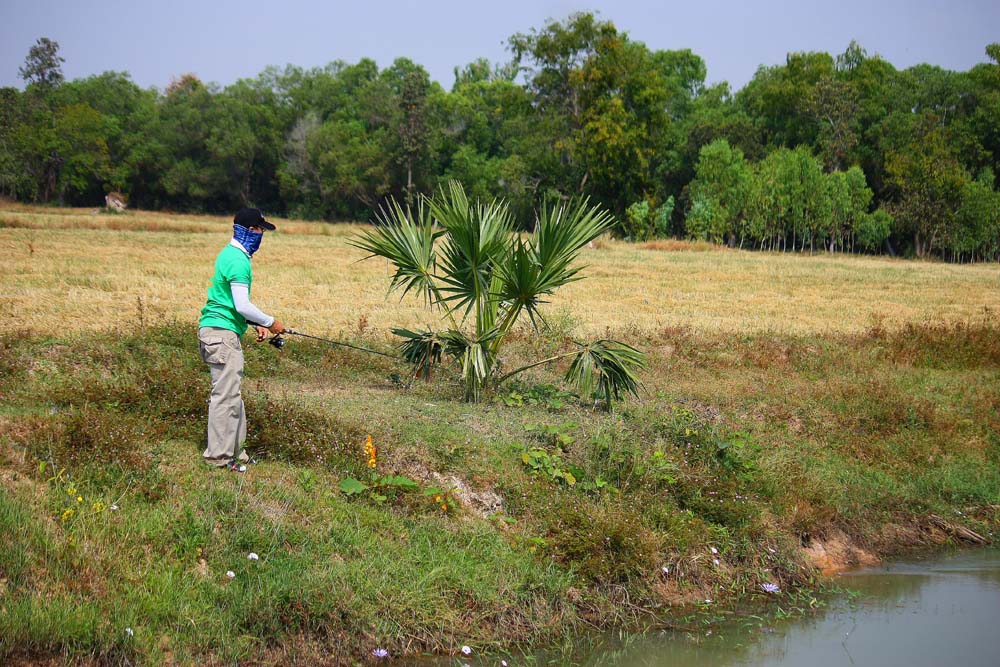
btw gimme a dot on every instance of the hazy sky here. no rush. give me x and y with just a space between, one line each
223 40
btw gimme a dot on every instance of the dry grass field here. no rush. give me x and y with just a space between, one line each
79 270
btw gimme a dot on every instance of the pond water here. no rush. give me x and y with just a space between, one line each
943 610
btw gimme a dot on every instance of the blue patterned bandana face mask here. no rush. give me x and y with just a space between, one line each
247 239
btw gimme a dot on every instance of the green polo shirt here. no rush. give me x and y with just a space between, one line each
231 266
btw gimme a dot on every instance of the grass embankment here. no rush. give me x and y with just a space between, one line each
742 449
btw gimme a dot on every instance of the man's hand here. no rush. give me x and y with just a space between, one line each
276 327
261 333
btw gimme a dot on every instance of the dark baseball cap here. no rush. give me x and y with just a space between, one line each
252 217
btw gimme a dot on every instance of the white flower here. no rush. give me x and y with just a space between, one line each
772 550
252 556
466 650
129 632
770 588
713 550
503 663
665 569
716 561
708 600
380 653
113 508
230 574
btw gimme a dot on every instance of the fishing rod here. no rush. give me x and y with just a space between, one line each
279 342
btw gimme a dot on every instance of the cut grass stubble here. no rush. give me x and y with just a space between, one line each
78 271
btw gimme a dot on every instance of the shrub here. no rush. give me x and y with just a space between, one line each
89 435
286 431
605 543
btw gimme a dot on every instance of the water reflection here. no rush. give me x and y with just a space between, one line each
933 613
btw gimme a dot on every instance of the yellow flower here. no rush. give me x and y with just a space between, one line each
67 515
97 506
79 499
71 491
370 452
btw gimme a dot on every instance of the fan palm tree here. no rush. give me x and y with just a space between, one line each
467 259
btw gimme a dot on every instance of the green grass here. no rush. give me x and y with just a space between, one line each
750 445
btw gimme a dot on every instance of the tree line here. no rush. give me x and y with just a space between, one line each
835 152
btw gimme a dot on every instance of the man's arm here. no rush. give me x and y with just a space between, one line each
241 300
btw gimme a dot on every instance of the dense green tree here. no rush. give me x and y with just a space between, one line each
926 181
833 105
127 114
789 204
81 144
873 230
39 151
850 199
719 194
244 144
642 222
780 98
180 164
551 60
12 157
882 94
984 80
714 115
976 232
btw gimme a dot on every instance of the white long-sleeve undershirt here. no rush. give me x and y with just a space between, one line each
241 300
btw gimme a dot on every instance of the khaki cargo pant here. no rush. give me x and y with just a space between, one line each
227 417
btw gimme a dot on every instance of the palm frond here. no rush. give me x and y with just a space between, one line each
519 284
407 240
477 238
608 366
475 356
420 348
561 233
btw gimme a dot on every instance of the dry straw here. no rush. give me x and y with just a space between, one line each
80 270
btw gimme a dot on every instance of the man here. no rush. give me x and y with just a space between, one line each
223 320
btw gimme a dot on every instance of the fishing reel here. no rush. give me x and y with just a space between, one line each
277 341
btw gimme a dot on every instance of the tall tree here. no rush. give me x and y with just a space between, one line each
12 172
413 93
43 64
551 59
779 98
833 105
81 144
926 181
985 116
719 194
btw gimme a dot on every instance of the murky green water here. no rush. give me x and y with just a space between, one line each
940 612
